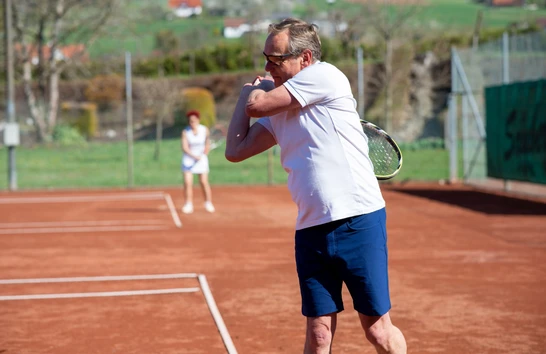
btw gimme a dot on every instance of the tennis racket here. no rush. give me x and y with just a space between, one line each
383 151
213 145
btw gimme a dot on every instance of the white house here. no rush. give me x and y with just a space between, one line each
237 27
186 8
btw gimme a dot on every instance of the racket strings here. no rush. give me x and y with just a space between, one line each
383 155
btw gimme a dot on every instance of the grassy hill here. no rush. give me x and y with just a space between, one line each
142 19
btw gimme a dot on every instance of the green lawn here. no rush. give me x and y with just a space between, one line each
461 15
139 38
105 165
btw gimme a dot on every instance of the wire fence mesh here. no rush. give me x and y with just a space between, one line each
507 60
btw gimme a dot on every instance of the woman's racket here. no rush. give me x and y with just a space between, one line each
383 151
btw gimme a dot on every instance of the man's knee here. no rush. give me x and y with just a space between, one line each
378 329
319 337
319 334
377 335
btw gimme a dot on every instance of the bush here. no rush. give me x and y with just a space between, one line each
148 67
206 62
67 135
200 99
107 91
424 144
80 116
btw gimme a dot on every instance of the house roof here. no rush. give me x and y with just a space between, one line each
68 52
234 21
397 2
507 2
72 50
175 4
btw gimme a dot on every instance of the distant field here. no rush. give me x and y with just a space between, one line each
456 15
137 36
105 165
461 14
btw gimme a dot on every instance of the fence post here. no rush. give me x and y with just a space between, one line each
270 166
11 132
360 61
452 123
129 112
506 80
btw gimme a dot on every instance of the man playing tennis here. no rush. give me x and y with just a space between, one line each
309 110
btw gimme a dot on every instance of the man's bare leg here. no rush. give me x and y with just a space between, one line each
320 334
385 337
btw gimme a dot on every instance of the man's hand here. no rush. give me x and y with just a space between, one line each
264 83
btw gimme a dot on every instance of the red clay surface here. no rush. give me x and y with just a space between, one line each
467 273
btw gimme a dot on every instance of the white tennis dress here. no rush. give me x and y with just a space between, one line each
196 144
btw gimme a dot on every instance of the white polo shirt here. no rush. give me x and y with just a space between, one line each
324 149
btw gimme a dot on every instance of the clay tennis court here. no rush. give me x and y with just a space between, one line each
468 272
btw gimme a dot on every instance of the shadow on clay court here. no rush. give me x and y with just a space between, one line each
481 202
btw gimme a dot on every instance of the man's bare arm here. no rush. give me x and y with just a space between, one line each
262 103
244 141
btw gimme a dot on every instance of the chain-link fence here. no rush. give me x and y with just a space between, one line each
507 60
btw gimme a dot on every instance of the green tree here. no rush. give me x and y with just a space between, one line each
166 42
388 19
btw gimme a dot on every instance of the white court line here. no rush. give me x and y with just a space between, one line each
172 208
80 229
97 198
201 278
100 278
81 198
80 223
216 314
97 294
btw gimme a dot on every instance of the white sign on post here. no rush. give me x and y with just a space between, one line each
11 134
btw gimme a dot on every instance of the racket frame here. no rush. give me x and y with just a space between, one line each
393 143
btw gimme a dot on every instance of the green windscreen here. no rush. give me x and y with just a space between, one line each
516 131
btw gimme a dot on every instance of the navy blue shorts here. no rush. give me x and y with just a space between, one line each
352 250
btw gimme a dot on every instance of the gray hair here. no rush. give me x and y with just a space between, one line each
301 36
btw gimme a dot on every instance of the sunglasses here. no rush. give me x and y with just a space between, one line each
277 59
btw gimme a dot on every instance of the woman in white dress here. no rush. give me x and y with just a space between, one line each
195 147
